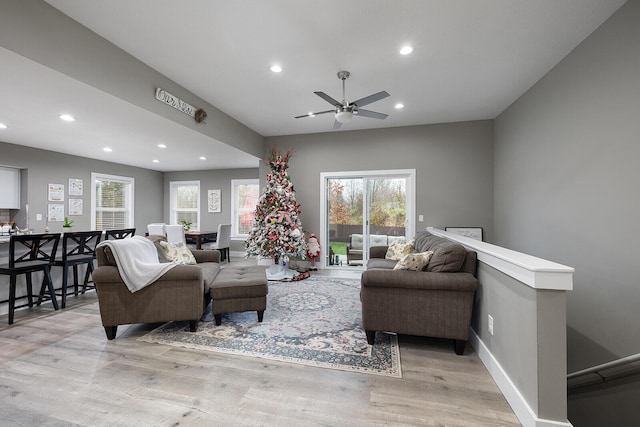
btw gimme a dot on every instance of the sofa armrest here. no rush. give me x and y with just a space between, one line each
378 251
424 280
206 255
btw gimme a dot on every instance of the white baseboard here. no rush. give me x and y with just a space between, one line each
517 401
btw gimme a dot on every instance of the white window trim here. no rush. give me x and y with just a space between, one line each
130 200
172 201
234 217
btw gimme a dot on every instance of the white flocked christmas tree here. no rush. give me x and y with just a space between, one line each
277 229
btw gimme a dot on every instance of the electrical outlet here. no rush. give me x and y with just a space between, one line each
420 218
38 217
490 324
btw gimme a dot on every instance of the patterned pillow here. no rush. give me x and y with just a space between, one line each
398 249
178 253
415 261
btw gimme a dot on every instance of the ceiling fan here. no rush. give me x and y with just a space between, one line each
344 111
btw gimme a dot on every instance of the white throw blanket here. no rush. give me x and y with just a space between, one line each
137 261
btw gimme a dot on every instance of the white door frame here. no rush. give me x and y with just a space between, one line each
410 225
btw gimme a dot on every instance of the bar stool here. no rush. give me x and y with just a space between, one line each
77 248
27 254
119 234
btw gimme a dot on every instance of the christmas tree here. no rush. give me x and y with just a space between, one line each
277 229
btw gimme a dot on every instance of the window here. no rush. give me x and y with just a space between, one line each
111 201
185 202
244 197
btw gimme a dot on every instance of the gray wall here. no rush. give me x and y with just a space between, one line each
566 189
43 167
210 180
453 162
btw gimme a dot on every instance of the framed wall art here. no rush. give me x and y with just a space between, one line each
470 232
75 187
55 212
55 193
214 201
75 207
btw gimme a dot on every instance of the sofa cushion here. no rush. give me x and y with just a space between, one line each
210 271
447 258
355 241
178 253
381 264
109 256
377 240
156 239
391 239
415 261
399 249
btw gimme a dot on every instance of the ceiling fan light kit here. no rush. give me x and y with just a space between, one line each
344 116
344 111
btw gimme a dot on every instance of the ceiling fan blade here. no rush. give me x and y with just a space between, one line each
372 114
369 99
329 99
337 125
315 114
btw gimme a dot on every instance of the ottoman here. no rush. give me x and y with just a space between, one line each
239 289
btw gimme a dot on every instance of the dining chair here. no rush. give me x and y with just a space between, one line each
222 243
28 254
175 234
157 228
121 233
77 248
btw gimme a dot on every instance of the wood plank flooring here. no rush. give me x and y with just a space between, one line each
58 369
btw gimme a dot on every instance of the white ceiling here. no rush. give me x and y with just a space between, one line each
472 59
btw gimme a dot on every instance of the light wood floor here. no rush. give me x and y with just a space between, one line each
58 369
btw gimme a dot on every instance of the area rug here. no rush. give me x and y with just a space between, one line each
315 322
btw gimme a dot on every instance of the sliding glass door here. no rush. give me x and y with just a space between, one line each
362 210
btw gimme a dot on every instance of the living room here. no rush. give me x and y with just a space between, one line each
538 177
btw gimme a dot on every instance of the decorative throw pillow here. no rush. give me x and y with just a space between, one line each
178 253
399 249
415 261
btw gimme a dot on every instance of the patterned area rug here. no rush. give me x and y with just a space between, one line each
315 322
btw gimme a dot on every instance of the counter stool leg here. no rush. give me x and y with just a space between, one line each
75 280
12 297
46 281
29 290
65 278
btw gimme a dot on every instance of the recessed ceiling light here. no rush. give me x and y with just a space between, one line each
107 149
162 146
275 68
203 158
156 161
406 50
399 105
3 126
67 117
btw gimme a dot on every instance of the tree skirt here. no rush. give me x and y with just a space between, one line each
316 322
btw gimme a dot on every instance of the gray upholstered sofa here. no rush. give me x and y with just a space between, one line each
436 302
182 293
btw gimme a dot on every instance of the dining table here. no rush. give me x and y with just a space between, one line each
201 236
